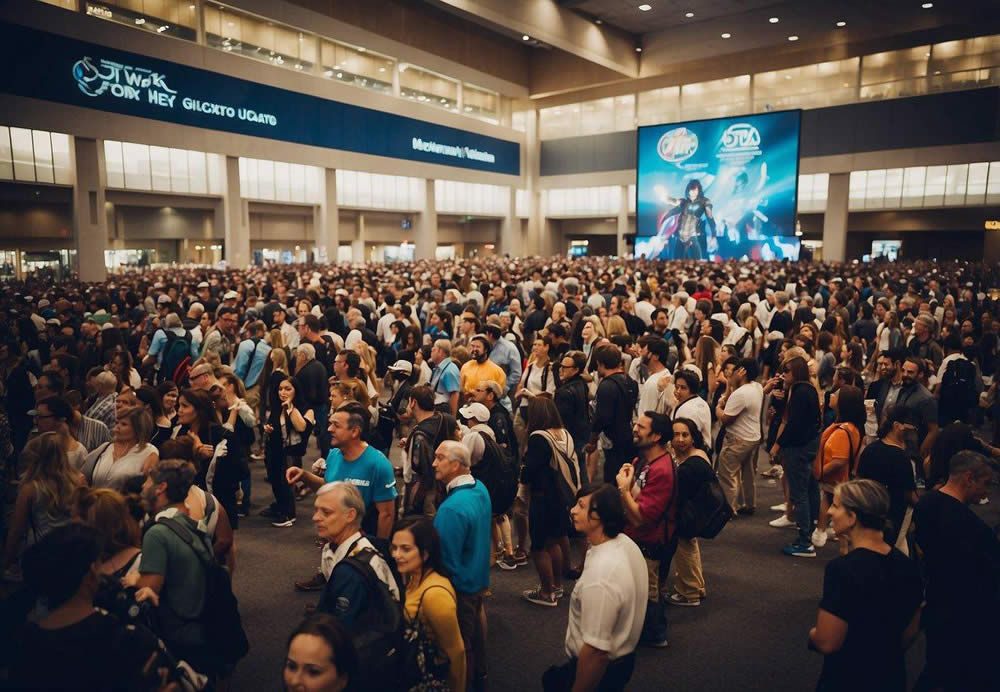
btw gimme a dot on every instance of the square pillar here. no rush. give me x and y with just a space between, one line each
425 243
622 229
532 173
510 227
835 218
90 223
326 228
236 218
358 244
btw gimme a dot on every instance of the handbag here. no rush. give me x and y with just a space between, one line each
425 665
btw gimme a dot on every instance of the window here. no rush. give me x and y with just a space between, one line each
813 191
280 181
811 86
375 191
659 106
481 103
993 183
975 191
454 197
253 37
583 201
955 181
357 66
559 121
913 186
65 4
177 18
895 74
522 203
719 97
519 120
424 86
856 190
35 156
134 166
893 188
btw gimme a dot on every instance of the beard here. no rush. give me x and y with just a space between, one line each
149 499
481 359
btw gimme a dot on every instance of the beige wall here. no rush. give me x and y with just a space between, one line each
149 223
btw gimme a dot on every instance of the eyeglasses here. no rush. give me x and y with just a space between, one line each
45 415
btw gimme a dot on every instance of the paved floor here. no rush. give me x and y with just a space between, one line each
749 634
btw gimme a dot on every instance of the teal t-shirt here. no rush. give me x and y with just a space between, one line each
371 473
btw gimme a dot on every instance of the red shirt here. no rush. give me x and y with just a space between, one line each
653 490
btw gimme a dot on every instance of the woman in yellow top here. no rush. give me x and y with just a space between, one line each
416 548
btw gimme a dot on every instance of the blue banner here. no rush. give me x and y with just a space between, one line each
55 68
719 189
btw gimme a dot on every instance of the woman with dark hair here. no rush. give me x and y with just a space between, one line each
198 419
870 611
549 452
121 366
239 419
169 394
840 449
416 548
321 656
687 229
149 399
288 427
852 355
694 468
538 376
797 440
572 399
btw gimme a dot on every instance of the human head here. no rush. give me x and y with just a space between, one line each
571 365
686 385
487 393
168 393
134 425
911 370
796 370
347 364
321 656
898 420
653 348
149 399
52 413
62 563
652 430
111 514
105 383
440 350
849 402
971 474
416 547
479 347
686 436
195 407
609 359
887 364
339 511
860 503
347 428
598 511
746 370
542 415
451 460
167 484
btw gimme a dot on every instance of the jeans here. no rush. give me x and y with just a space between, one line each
803 490
616 675
322 429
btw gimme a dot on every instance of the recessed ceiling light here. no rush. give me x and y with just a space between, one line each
726 35
140 21
645 8
927 5
793 38
788 76
525 37
638 49
689 14
598 21
927 55
773 20
362 50
841 24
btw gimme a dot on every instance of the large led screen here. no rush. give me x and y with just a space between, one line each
719 189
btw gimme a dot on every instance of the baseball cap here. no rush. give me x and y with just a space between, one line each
203 284
402 366
475 411
163 299
231 295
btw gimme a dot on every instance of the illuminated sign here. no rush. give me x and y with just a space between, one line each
992 225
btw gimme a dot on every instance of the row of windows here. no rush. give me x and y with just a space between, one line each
966 184
234 31
948 66
134 166
35 156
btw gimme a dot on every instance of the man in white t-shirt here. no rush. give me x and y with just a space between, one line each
608 605
653 352
739 411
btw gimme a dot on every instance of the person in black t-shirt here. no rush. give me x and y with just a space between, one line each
962 563
885 461
616 397
870 610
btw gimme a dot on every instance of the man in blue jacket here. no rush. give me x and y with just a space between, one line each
463 521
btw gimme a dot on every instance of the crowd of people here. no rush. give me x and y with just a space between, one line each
596 419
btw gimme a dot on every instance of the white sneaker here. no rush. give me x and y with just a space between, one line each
782 523
819 538
779 508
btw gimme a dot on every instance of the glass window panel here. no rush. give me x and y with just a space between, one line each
934 186
857 187
114 165
424 86
913 186
957 56
65 4
265 179
893 188
895 66
559 121
975 191
597 116
993 183
631 198
6 155
216 174
24 156
357 66
177 18
62 162
875 189
260 39
416 193
282 180
159 167
315 184
481 103
519 120
364 189
197 172
136 166
43 156
821 187
955 181
659 106
297 182
624 112
348 187
180 179
719 97
809 86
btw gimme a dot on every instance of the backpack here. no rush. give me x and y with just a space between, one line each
958 390
378 631
220 613
705 512
498 473
565 469
253 354
176 363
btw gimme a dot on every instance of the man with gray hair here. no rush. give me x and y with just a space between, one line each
445 378
464 522
340 509
314 390
103 408
164 339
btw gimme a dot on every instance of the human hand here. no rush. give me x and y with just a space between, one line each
625 476
294 474
130 579
268 428
147 594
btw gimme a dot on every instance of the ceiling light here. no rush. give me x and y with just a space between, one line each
298 66
841 24
525 37
381 69
773 20
638 49
788 76
727 35
444 100
793 38
689 14
598 21
362 50
140 21
645 8
927 5
339 75
162 28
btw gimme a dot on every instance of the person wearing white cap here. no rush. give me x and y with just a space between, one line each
679 316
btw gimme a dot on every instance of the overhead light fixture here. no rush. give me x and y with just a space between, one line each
773 20
645 8
362 50
727 35
927 55
525 37
140 21
638 49
381 69
298 66
598 21
927 5
162 29
339 75
793 38
689 14
841 24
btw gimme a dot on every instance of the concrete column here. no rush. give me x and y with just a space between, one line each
327 219
835 218
90 223
426 240
510 228
235 219
358 244
532 172
622 229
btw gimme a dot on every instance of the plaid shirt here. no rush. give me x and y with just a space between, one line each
92 433
103 410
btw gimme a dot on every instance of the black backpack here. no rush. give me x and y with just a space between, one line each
176 363
220 613
958 390
378 631
498 472
706 512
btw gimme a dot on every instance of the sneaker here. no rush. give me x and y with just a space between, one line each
773 472
316 583
783 507
796 550
678 600
558 592
819 538
257 456
537 597
520 558
507 562
661 644
782 522
283 522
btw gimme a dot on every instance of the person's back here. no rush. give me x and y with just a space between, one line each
464 521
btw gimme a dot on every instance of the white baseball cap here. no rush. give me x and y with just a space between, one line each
231 295
402 366
475 411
